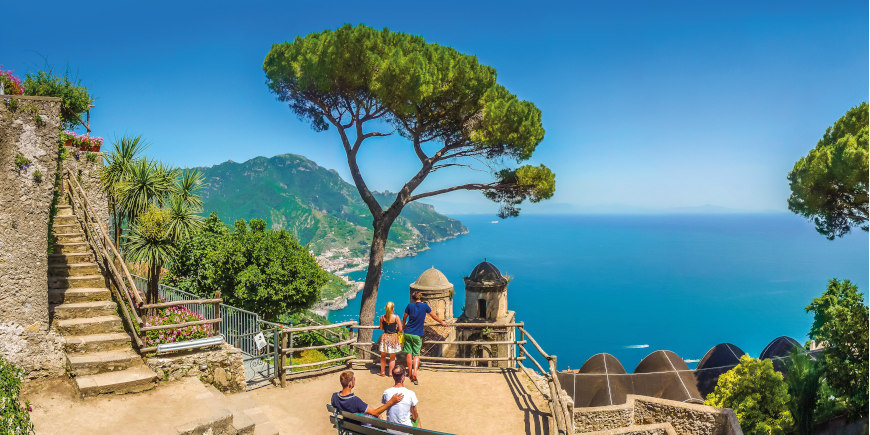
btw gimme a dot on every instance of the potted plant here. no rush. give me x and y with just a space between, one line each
68 138
92 144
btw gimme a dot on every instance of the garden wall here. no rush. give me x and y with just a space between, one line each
220 366
685 418
85 166
29 129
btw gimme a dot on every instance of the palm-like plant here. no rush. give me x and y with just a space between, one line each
190 182
149 242
183 219
146 184
117 167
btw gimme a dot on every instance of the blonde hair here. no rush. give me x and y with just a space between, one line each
389 314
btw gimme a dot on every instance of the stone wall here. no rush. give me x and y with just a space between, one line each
647 429
602 418
85 166
684 418
220 366
29 129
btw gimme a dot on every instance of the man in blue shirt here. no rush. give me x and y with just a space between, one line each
346 401
416 313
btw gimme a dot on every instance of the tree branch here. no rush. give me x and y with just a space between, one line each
471 186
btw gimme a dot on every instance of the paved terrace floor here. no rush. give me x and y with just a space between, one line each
458 402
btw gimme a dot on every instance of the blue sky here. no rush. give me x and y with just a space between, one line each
648 106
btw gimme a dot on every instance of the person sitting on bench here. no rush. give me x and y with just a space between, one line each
405 412
345 400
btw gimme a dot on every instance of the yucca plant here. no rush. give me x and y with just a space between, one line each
147 184
149 242
183 219
118 161
190 181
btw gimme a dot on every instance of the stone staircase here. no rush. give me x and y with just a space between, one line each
100 355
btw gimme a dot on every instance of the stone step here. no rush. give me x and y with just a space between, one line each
71 258
263 426
83 309
68 228
64 210
65 220
97 342
74 295
132 380
71 248
90 325
74 269
76 281
219 421
102 362
70 237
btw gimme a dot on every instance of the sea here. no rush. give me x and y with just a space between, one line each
629 285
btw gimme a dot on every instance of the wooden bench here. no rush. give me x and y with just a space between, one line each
348 423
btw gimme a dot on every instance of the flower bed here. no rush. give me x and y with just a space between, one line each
174 315
81 141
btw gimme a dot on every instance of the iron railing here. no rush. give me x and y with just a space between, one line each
238 326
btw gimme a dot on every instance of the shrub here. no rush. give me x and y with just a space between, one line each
757 394
14 418
308 356
174 315
840 320
11 84
74 96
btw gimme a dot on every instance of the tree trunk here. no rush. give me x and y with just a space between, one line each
117 231
369 299
153 283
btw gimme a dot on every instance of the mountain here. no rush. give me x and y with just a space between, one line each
317 206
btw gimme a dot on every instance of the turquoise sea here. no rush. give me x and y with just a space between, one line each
629 285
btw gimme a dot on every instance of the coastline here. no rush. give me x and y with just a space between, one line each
323 307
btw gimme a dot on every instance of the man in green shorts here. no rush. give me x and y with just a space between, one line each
416 313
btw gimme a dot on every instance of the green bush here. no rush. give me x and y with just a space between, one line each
74 96
840 320
265 271
14 418
757 394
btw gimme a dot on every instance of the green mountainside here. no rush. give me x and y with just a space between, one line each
317 205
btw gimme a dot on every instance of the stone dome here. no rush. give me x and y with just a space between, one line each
432 279
488 273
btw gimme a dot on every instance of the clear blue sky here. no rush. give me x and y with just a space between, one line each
647 104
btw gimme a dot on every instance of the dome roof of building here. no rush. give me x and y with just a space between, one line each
487 272
718 360
778 350
432 279
602 363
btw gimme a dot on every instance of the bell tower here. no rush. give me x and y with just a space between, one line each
486 302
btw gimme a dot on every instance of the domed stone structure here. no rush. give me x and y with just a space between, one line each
486 272
485 293
437 292
486 302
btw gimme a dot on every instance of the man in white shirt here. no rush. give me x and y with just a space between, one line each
404 412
